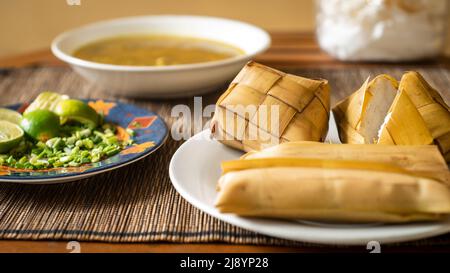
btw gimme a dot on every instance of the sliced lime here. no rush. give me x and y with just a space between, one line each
41 124
10 115
10 135
46 101
76 110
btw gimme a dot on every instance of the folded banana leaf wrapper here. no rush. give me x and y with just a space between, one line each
384 111
338 182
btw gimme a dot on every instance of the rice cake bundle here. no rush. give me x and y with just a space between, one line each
383 111
338 182
431 106
244 118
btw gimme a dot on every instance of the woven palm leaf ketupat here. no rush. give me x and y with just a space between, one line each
431 107
279 107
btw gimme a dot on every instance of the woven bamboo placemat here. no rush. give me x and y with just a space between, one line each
137 203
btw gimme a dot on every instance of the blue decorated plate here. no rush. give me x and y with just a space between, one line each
150 129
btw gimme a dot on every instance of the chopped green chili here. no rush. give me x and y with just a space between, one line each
78 146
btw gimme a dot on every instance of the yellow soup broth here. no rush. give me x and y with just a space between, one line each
155 51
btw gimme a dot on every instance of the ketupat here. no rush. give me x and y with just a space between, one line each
431 106
383 111
303 104
403 124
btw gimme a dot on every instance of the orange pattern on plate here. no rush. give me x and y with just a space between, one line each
138 148
102 107
142 122
23 107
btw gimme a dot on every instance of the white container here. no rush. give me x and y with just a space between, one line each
163 81
382 30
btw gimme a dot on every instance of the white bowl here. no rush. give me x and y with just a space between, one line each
164 81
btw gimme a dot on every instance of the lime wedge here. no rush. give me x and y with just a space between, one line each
10 135
46 101
10 115
76 110
41 124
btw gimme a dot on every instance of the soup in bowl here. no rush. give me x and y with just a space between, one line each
155 50
161 56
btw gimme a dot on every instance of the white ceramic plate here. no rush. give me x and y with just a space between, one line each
163 81
195 170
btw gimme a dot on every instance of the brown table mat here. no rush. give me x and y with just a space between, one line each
137 203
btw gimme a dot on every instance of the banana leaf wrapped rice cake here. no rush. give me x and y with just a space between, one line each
384 111
337 182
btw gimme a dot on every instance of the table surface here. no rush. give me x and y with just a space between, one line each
288 49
